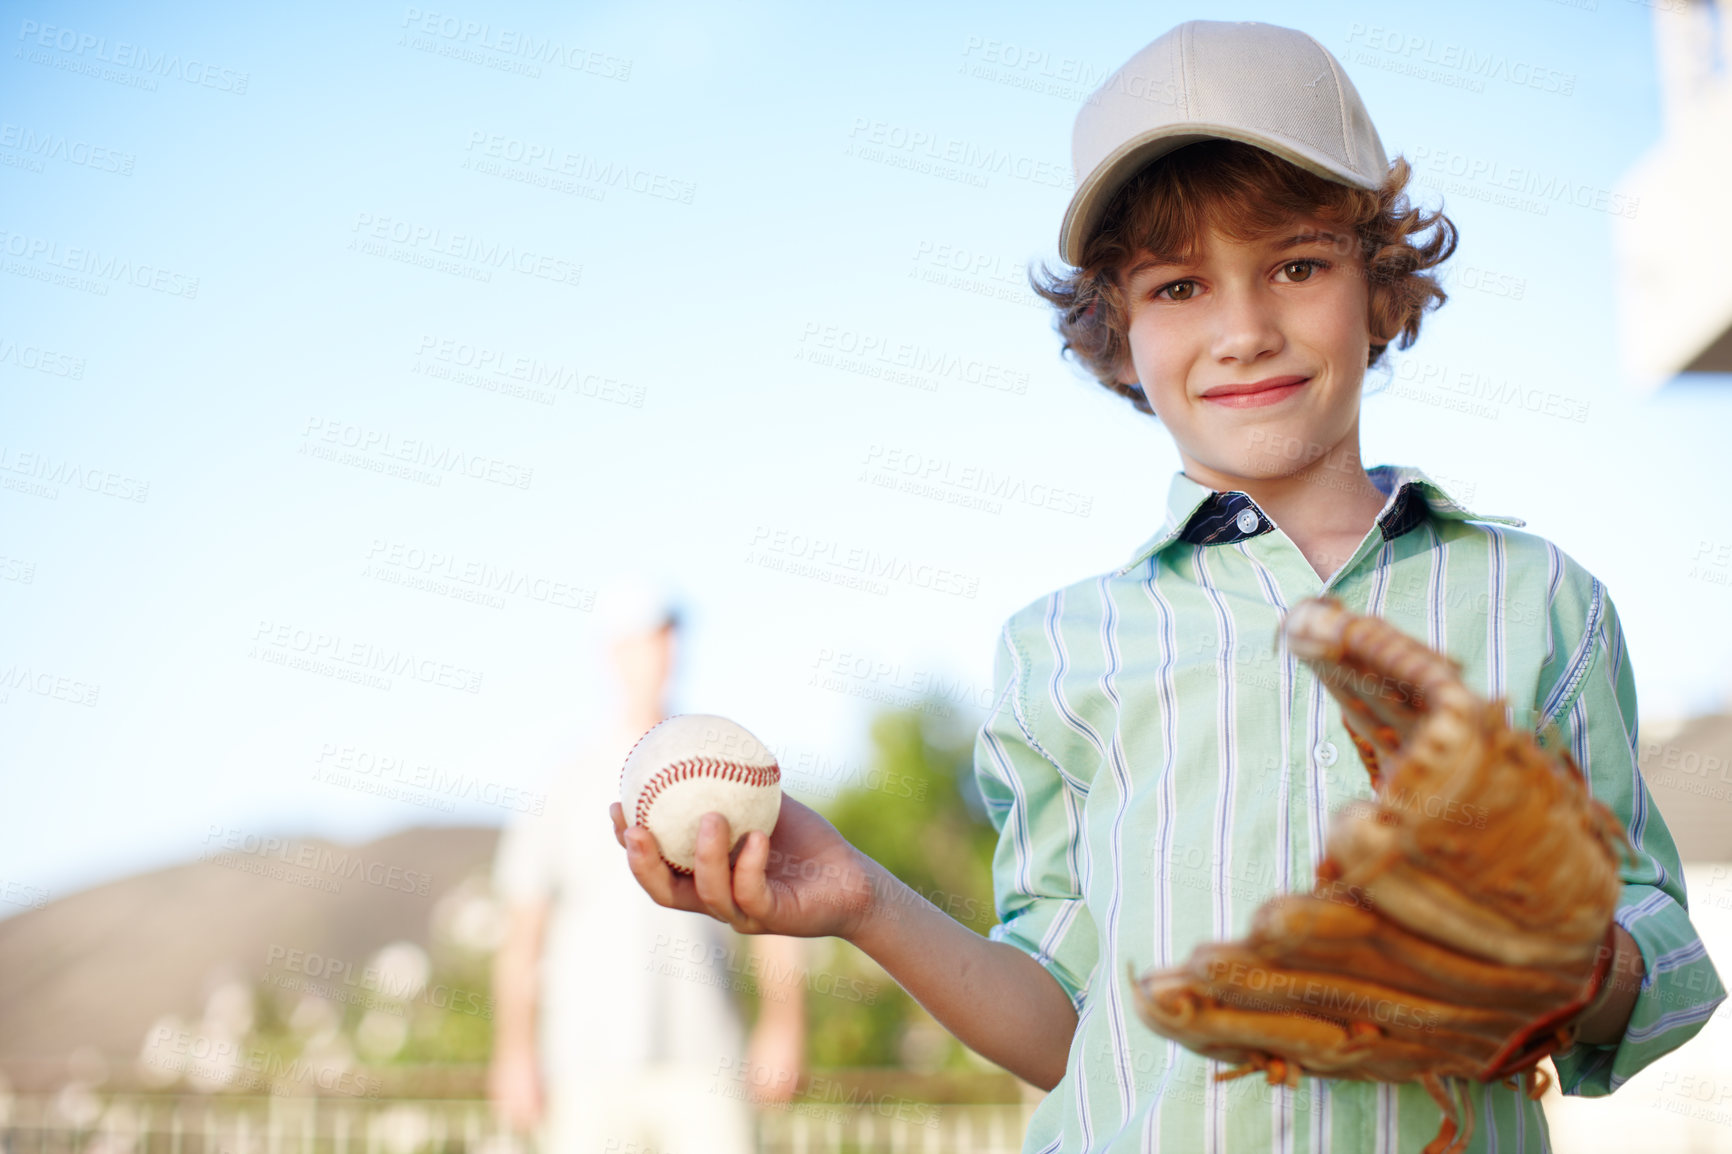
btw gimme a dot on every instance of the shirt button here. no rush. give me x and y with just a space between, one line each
1247 521
1325 752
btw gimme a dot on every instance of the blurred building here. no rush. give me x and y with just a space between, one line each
1675 316
1673 250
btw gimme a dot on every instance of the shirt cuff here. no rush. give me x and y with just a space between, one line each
1057 933
1680 990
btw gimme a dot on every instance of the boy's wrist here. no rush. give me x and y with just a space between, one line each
1603 1021
885 896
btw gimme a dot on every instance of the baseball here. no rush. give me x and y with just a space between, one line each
693 764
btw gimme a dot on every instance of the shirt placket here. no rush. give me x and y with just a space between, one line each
1321 763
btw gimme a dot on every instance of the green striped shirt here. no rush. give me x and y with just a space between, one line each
1157 769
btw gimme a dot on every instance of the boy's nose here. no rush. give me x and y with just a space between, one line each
1246 328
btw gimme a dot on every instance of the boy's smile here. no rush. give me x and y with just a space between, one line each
1253 354
1257 393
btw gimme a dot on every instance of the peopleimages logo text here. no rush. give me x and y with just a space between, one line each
124 54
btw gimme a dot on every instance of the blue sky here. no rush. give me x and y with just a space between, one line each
307 307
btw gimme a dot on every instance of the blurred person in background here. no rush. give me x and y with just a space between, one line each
616 1020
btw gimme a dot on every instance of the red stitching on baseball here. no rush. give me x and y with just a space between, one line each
634 746
677 771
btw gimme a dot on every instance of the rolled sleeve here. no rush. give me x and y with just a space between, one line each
1590 710
1039 867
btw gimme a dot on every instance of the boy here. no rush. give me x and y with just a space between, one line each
1243 253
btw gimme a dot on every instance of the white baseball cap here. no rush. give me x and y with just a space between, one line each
1261 84
633 604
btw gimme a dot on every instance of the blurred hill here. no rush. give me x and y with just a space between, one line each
95 969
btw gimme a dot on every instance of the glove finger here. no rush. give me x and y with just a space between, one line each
1385 681
1174 1005
1301 932
1236 976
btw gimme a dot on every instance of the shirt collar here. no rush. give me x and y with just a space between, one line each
1199 515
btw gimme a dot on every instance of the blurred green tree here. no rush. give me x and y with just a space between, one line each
918 812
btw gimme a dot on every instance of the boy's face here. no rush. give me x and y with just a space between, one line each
1288 314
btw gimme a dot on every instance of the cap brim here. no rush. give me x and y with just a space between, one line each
1096 191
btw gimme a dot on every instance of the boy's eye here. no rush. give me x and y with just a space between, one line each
1179 290
1299 270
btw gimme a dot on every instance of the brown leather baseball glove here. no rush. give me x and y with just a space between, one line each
1460 923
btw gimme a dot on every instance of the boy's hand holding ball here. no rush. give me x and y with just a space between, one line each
693 764
707 828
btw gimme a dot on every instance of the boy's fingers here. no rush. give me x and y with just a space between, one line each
646 865
751 885
711 875
653 874
617 813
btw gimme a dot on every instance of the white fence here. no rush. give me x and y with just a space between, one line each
84 1123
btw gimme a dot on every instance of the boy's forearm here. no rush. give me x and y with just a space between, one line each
998 1001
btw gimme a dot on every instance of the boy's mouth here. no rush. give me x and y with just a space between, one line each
1265 392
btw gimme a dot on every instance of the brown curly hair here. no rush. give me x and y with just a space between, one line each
1248 194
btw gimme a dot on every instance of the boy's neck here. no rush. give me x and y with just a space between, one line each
1325 508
